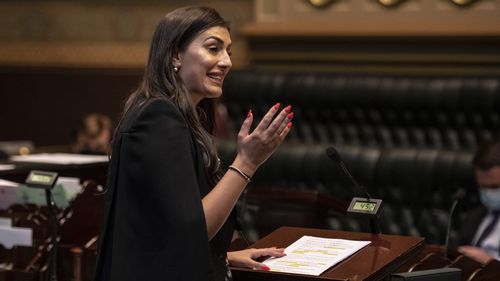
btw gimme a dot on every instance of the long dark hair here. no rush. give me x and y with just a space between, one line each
173 35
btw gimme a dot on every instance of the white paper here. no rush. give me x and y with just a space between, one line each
7 193
71 186
7 167
10 236
5 221
313 255
61 158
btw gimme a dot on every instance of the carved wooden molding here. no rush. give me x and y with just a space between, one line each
390 3
371 17
464 3
321 4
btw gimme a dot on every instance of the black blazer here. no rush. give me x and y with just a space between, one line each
154 226
471 224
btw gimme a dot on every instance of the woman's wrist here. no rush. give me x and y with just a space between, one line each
247 168
241 173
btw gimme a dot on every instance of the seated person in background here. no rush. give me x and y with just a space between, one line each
93 135
481 228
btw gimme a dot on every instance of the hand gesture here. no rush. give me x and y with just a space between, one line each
255 147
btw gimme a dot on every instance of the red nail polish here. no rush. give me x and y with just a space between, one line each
289 124
277 106
288 109
267 268
290 116
249 113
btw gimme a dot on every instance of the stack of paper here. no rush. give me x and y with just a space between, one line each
11 236
7 193
313 255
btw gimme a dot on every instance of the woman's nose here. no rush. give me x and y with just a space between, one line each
225 61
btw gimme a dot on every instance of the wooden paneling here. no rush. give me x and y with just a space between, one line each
359 36
45 104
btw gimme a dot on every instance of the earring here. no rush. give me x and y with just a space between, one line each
176 68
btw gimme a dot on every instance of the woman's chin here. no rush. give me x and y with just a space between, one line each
214 94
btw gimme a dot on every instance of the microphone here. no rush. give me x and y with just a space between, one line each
333 154
459 195
363 207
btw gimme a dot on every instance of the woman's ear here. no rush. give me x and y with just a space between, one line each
176 60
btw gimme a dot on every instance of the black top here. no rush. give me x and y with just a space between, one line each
153 222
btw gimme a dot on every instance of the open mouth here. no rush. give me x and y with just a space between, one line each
216 78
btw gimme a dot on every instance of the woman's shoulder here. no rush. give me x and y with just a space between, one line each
158 103
150 109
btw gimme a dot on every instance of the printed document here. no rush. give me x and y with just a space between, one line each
313 255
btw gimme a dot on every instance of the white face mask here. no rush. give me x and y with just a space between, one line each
490 197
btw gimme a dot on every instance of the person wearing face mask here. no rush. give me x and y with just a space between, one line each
480 234
169 208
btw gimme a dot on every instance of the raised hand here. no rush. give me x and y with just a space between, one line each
255 147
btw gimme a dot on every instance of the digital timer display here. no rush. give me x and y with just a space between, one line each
364 206
41 179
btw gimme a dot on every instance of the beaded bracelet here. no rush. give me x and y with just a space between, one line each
241 173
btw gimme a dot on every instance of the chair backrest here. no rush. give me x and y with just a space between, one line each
416 185
373 110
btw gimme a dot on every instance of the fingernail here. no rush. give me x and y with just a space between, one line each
277 106
265 267
289 124
288 109
249 113
290 116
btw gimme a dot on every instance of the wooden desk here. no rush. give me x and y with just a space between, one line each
378 260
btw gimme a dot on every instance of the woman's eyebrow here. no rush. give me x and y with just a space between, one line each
217 39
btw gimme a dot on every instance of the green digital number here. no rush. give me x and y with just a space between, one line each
41 178
364 206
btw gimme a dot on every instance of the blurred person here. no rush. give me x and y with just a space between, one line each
169 210
480 233
93 135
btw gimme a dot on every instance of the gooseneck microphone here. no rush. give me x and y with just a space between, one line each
362 207
459 194
333 154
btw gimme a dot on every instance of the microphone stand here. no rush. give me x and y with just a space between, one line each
448 228
46 180
373 214
53 236
457 196
374 227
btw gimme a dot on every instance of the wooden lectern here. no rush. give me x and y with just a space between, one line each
380 259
